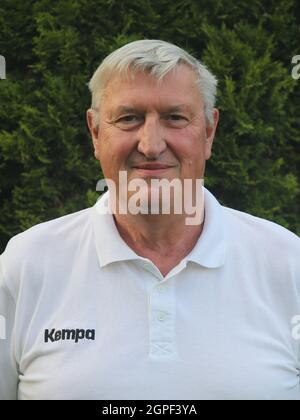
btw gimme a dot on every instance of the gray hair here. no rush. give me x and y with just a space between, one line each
158 58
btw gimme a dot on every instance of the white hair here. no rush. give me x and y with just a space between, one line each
157 58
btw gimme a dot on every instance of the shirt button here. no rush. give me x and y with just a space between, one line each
146 265
161 316
162 288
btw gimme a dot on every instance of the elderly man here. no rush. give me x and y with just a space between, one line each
140 304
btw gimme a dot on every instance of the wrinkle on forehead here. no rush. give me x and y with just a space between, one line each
177 94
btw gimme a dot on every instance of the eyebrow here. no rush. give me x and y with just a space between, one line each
176 108
122 109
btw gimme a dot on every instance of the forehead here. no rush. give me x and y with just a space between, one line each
143 90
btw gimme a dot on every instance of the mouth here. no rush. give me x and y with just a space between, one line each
152 168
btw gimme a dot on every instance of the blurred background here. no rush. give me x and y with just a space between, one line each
52 48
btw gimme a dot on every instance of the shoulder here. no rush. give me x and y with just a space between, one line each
268 257
261 234
47 234
45 243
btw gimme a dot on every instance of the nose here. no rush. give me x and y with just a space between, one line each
151 140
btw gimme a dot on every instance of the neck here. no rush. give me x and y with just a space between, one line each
155 236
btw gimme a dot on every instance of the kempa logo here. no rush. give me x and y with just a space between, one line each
2 67
68 334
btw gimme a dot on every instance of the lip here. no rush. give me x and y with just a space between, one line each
150 169
151 172
152 166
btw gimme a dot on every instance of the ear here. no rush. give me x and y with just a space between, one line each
93 127
210 133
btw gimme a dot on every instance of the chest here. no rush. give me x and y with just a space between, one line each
130 336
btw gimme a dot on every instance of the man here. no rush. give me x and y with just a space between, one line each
141 304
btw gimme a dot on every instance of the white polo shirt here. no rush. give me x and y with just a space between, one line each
87 318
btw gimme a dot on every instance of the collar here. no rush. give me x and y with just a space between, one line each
209 250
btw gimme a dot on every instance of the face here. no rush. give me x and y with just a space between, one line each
153 130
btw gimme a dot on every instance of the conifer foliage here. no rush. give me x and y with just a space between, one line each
52 48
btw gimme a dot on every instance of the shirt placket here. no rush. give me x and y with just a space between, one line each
162 319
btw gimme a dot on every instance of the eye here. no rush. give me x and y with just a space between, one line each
176 120
175 117
127 118
128 121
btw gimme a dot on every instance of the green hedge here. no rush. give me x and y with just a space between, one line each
52 48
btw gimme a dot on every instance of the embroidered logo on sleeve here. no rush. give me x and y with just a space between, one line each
68 334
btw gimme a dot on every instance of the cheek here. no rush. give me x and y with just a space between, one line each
122 148
114 148
189 149
188 145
